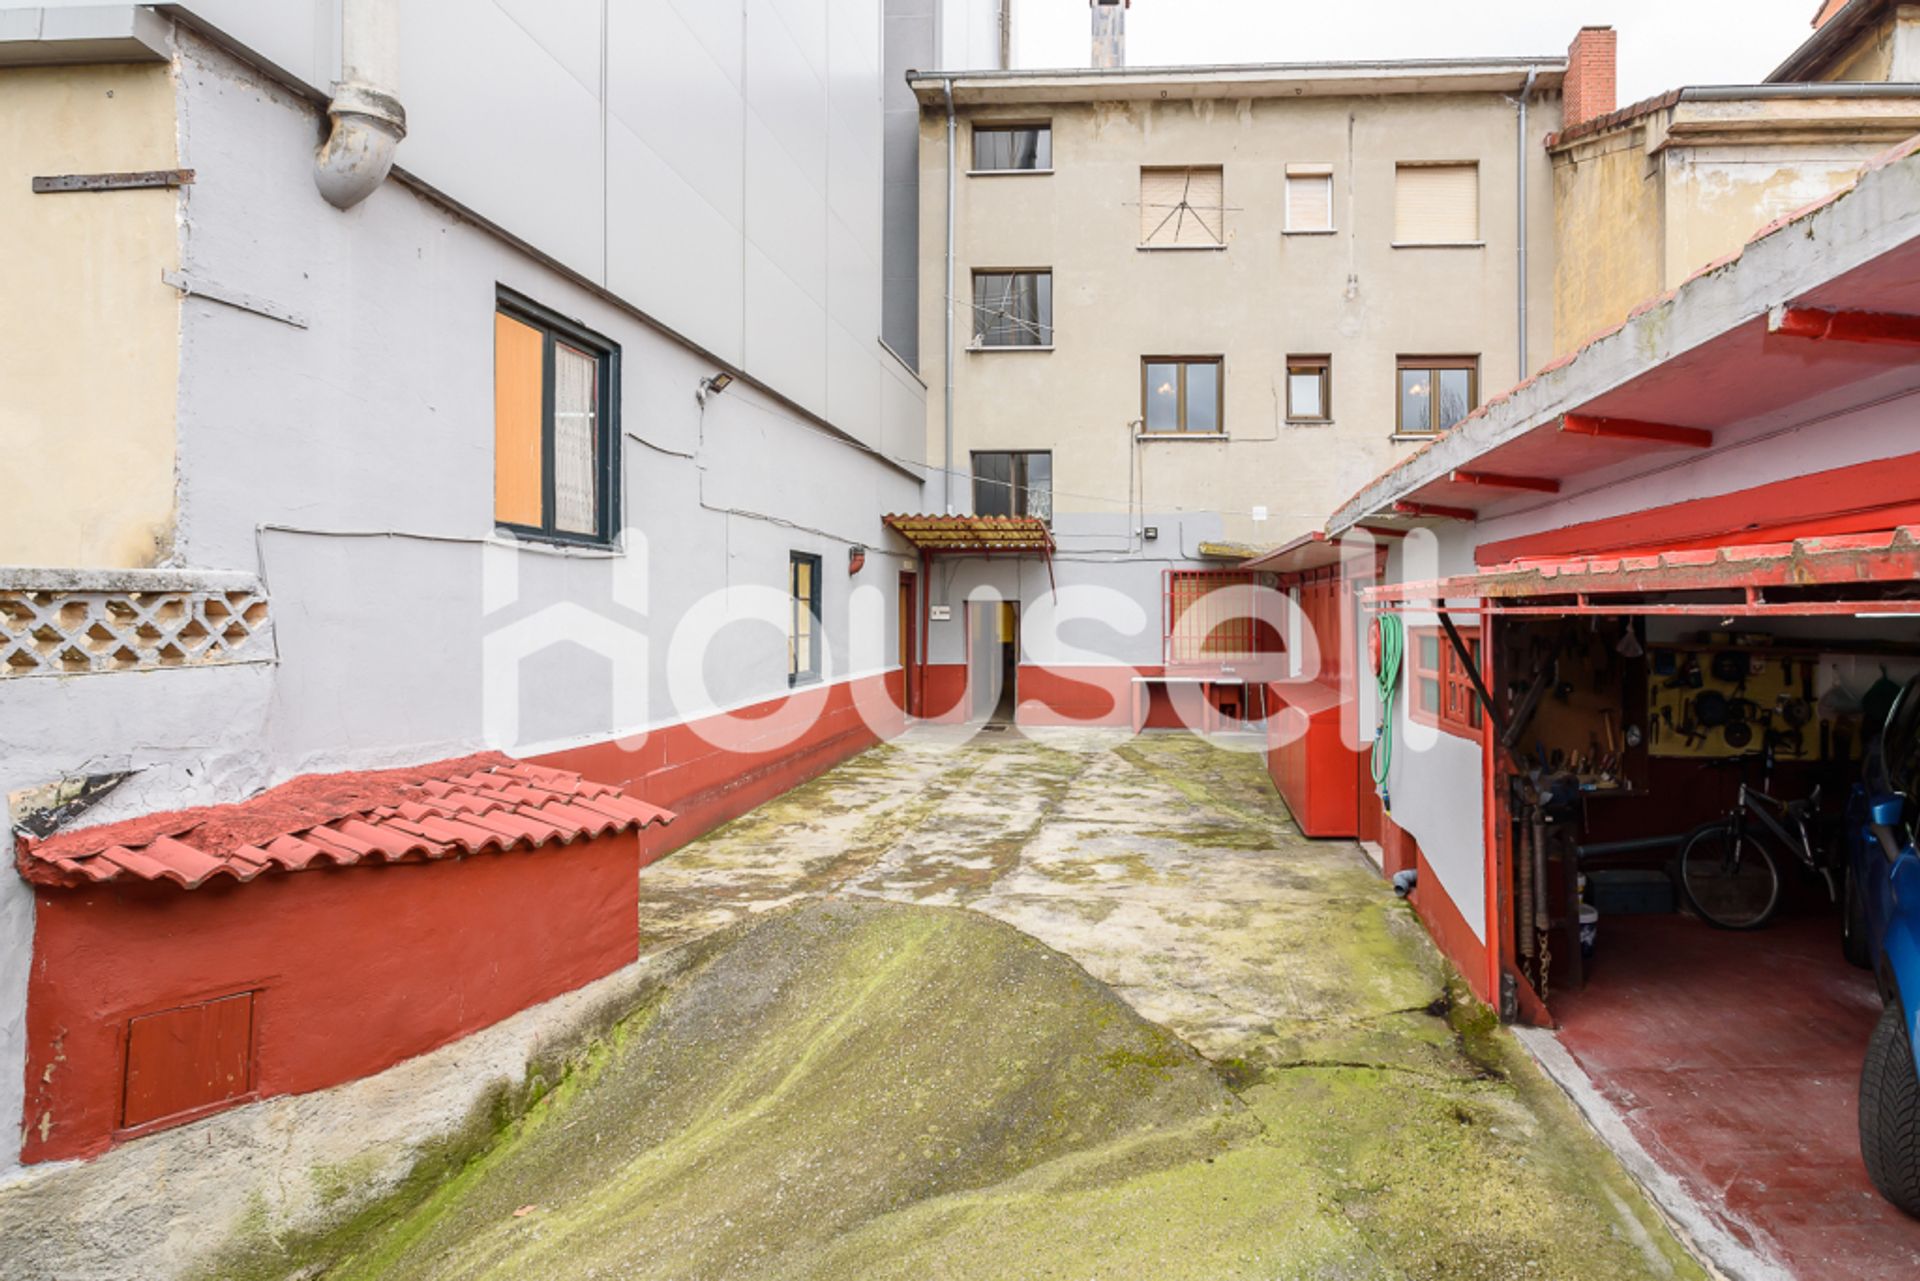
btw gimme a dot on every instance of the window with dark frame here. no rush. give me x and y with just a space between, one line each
1013 484
803 630
1442 688
555 434
1012 148
1013 309
1182 394
1309 389
1435 392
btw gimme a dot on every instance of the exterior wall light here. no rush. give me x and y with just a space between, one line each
712 385
856 559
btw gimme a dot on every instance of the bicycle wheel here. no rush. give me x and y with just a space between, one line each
1733 886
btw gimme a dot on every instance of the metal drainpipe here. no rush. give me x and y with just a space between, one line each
953 191
367 121
1526 92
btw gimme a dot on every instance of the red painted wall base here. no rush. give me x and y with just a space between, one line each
1451 933
715 769
352 969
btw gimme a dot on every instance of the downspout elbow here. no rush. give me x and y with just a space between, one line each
365 127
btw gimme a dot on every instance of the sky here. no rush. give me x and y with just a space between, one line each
1663 43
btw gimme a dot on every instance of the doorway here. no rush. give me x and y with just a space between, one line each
993 660
908 593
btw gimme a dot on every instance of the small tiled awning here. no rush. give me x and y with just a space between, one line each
1843 574
976 535
444 810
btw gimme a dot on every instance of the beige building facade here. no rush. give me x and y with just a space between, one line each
90 368
1263 223
1647 195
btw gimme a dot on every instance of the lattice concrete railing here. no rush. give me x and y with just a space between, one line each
56 622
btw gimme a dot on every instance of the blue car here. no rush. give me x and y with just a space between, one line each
1883 934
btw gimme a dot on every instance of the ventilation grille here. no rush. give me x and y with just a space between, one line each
129 622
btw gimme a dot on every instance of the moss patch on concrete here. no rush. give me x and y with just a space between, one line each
856 1089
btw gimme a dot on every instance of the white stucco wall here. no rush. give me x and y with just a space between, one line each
349 463
1435 786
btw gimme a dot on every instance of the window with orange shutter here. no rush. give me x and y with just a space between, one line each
555 442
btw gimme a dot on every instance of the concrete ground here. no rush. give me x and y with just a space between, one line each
1169 869
1734 1060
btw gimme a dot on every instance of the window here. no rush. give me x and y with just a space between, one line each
1443 693
1013 309
555 389
803 631
1436 392
1012 148
1182 207
1437 205
1013 484
1181 393
1309 198
1309 389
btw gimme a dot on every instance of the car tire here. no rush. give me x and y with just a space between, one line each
1854 943
1890 1113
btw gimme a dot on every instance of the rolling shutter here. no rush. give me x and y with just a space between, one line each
1182 207
1309 197
1437 205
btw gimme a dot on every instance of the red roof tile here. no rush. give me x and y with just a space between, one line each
444 810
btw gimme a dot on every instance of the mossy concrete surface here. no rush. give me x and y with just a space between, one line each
1208 1048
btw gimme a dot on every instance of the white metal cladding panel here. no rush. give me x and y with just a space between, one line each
568 30
785 333
786 217
675 95
853 280
786 93
702 282
717 26
854 87
1436 204
503 127
853 385
806 22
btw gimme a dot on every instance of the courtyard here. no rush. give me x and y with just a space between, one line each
1274 1076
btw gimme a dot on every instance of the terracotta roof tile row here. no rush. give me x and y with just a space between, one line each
444 810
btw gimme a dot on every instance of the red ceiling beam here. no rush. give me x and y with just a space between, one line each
1494 480
1884 328
1383 531
1635 429
1434 510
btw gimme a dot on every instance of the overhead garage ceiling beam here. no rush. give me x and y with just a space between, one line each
1635 429
1494 480
1880 327
1435 510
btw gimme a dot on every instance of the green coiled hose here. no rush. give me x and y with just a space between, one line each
1393 641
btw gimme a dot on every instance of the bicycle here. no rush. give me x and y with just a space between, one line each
1728 868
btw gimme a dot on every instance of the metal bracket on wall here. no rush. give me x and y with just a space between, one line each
135 181
233 298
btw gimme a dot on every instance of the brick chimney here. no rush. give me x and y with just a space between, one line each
1110 32
1591 89
1827 9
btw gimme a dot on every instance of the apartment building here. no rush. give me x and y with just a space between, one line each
544 409
1186 306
